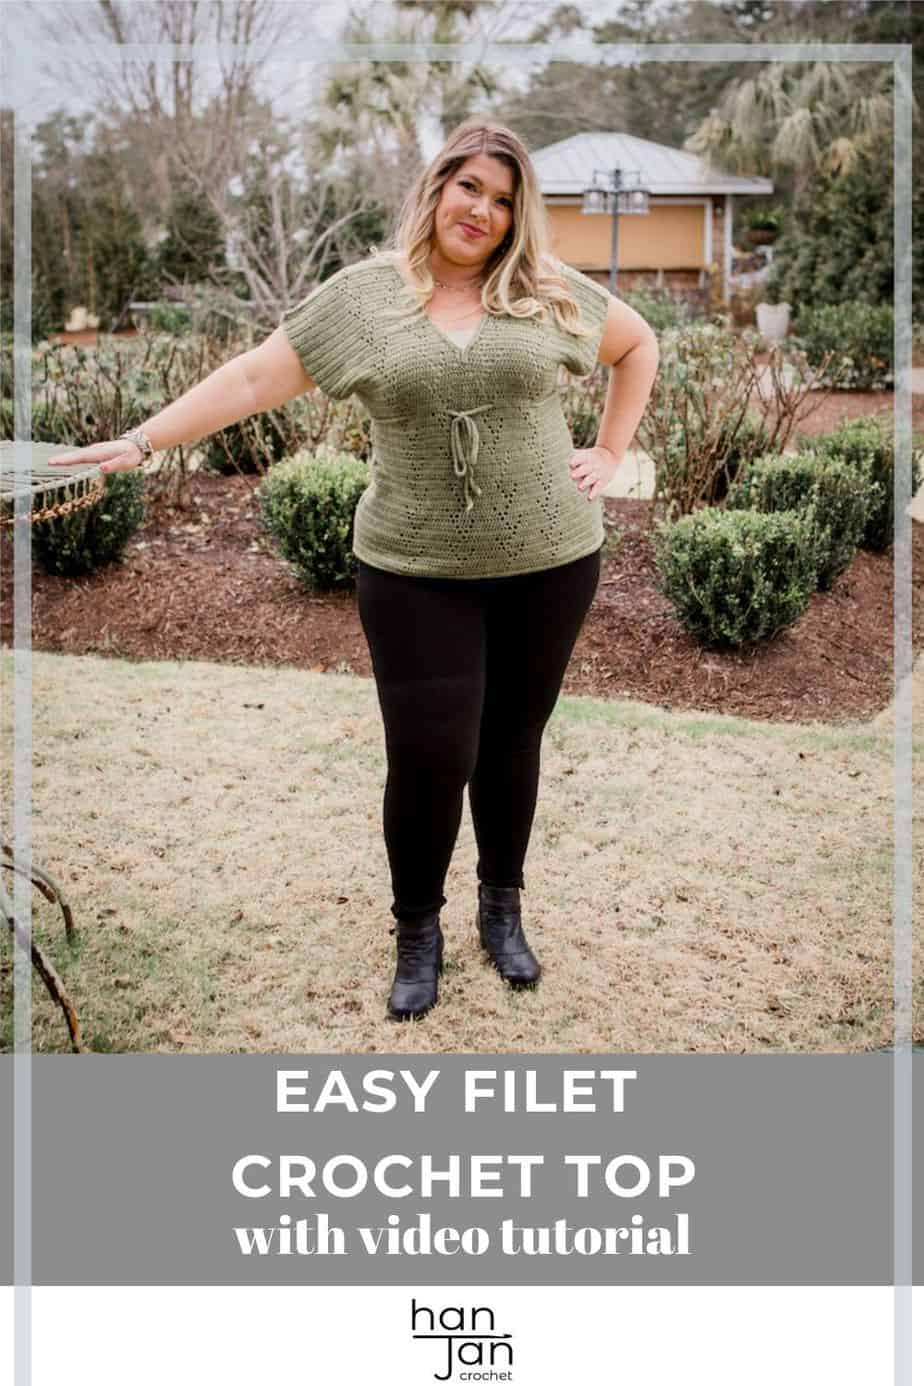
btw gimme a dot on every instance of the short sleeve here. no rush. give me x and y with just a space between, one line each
326 332
580 353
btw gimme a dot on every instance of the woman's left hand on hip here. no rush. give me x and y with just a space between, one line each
593 468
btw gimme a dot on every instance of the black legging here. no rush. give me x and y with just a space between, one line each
468 671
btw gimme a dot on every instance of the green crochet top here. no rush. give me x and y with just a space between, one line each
470 447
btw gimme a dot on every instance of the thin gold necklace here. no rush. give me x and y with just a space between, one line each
458 288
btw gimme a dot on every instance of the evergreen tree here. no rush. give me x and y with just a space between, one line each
54 289
194 245
837 242
60 277
87 242
112 243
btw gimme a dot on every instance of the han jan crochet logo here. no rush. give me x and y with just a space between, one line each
464 1343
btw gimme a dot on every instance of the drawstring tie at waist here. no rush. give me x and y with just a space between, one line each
463 442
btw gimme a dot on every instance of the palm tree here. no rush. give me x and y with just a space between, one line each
805 118
378 105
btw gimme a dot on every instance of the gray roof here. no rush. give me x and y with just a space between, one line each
568 165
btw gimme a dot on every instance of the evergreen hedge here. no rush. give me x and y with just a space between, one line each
834 497
307 504
735 576
868 444
859 335
91 536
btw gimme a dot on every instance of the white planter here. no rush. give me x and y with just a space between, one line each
773 321
77 321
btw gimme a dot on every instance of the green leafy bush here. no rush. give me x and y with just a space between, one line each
859 334
46 421
739 442
761 217
170 317
771 483
698 410
836 242
834 496
307 504
92 535
868 444
660 309
735 576
250 445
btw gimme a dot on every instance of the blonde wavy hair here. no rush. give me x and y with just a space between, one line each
522 276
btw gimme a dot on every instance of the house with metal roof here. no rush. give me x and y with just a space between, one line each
686 230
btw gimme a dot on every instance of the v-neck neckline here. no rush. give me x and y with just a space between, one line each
461 348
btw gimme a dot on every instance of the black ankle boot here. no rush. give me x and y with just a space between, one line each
420 962
502 937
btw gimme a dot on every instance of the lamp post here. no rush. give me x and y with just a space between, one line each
623 192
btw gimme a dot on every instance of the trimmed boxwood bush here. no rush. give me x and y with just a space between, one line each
868 445
736 576
93 535
773 482
859 334
307 504
834 496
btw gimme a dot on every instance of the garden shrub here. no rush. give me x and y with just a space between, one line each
659 308
584 425
307 504
92 535
355 432
250 445
582 400
47 422
735 576
697 411
738 443
771 483
170 317
859 334
761 217
89 537
834 496
868 444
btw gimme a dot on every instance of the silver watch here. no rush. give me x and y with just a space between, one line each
141 440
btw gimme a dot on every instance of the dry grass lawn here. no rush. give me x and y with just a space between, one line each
694 883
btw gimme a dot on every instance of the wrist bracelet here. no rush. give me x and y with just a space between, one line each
141 441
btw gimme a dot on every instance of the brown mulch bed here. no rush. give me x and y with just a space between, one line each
202 582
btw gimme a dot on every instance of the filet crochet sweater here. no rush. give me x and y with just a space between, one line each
469 472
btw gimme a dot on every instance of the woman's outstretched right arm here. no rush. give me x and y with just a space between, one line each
263 378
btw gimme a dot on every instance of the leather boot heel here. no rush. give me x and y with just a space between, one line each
415 989
502 938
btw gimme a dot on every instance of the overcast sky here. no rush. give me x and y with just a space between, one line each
40 94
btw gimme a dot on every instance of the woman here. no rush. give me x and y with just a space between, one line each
477 542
